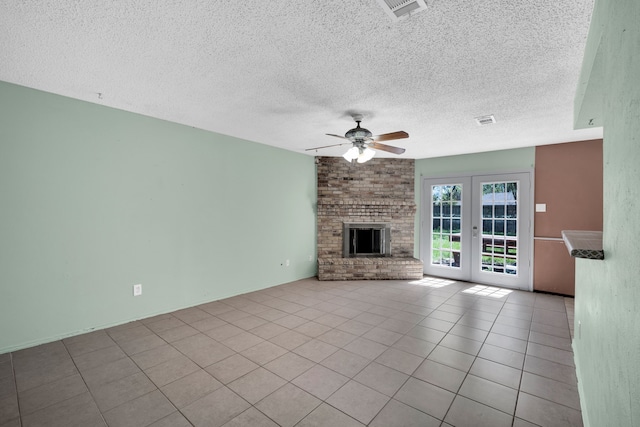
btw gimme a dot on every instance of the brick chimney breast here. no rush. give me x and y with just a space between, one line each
379 191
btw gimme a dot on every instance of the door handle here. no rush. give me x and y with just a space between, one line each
474 233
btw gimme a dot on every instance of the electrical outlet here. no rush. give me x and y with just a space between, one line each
286 263
310 257
137 290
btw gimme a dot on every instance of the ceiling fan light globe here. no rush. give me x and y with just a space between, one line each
351 154
366 155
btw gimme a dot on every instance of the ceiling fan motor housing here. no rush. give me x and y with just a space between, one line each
358 133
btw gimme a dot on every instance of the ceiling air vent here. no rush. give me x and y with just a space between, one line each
400 9
485 120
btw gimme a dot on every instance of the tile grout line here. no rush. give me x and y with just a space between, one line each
93 399
349 378
515 407
226 386
322 401
150 380
457 393
15 384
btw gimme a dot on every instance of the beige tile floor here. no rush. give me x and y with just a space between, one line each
309 353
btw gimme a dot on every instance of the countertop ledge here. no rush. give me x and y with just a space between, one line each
584 244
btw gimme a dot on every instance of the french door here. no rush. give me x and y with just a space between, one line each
478 228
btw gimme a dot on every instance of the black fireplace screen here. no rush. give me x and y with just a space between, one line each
366 240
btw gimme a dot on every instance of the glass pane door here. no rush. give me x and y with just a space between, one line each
446 251
502 230
446 225
500 227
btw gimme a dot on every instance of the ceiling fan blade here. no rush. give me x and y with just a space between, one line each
389 136
388 148
337 136
327 146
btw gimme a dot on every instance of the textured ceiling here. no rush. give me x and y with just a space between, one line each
284 73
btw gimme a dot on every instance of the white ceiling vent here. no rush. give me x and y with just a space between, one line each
485 120
400 9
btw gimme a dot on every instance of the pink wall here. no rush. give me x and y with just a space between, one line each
568 179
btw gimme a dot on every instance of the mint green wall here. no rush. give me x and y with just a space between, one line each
95 200
607 349
518 159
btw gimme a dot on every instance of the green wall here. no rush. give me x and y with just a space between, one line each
607 347
518 159
95 200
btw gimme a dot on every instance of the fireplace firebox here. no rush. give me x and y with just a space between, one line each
366 240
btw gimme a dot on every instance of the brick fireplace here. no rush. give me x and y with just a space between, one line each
380 191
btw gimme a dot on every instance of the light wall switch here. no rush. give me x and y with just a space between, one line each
541 207
579 329
137 290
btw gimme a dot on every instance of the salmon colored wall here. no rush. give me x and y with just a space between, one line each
568 179
554 269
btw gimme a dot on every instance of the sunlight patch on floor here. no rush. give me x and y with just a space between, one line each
432 282
488 291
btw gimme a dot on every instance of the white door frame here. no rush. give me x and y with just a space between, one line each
463 272
425 218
